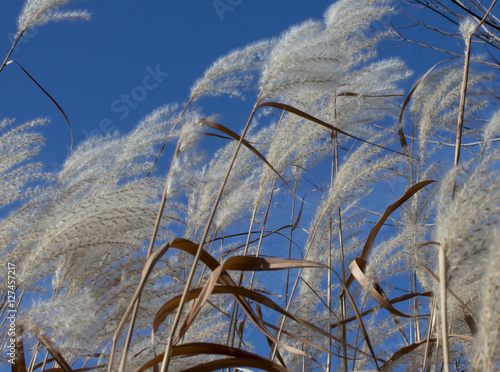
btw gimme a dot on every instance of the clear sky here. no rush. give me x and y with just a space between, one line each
135 56
98 70
91 67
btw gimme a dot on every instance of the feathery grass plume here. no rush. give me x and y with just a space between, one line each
17 145
464 227
436 102
233 72
203 193
39 12
61 318
488 337
88 230
287 145
491 129
350 21
362 92
467 27
295 145
122 156
367 94
185 157
305 57
353 18
357 172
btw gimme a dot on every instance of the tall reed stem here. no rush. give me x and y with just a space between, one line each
180 308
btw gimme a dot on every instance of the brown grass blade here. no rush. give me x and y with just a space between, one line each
240 263
390 209
464 338
84 369
402 139
236 137
407 349
360 321
402 352
51 348
304 115
408 97
252 263
471 323
50 97
271 343
218 136
198 348
191 248
357 268
393 301
225 279
264 364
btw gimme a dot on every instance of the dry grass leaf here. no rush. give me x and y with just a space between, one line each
51 348
390 209
357 268
239 358
304 115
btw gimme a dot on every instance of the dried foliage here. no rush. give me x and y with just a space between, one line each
325 234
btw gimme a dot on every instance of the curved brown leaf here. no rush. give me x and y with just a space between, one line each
307 116
408 97
407 349
392 301
214 365
50 97
244 142
240 263
198 348
390 209
50 347
402 352
357 268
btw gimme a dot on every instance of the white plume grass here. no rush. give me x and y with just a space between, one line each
40 12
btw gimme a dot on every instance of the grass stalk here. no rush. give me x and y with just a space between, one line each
232 326
14 44
150 251
168 349
444 318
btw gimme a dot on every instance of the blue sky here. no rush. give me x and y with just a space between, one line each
91 67
134 56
